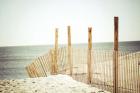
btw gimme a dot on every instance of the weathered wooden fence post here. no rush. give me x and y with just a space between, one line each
69 51
89 63
115 56
56 51
54 54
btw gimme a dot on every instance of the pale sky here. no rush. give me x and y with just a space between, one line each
33 22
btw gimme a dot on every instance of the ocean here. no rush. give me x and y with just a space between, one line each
13 60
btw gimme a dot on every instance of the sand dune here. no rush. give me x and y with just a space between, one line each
51 84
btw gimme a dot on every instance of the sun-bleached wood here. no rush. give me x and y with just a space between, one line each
69 50
89 59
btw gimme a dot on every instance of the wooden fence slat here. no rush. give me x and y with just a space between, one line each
28 71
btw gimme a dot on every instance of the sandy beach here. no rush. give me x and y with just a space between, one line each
51 84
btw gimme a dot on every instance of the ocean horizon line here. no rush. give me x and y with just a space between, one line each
60 44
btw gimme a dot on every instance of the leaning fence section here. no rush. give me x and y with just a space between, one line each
102 68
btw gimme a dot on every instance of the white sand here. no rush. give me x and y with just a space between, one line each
50 84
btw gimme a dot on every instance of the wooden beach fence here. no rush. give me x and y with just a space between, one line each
113 70
40 66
